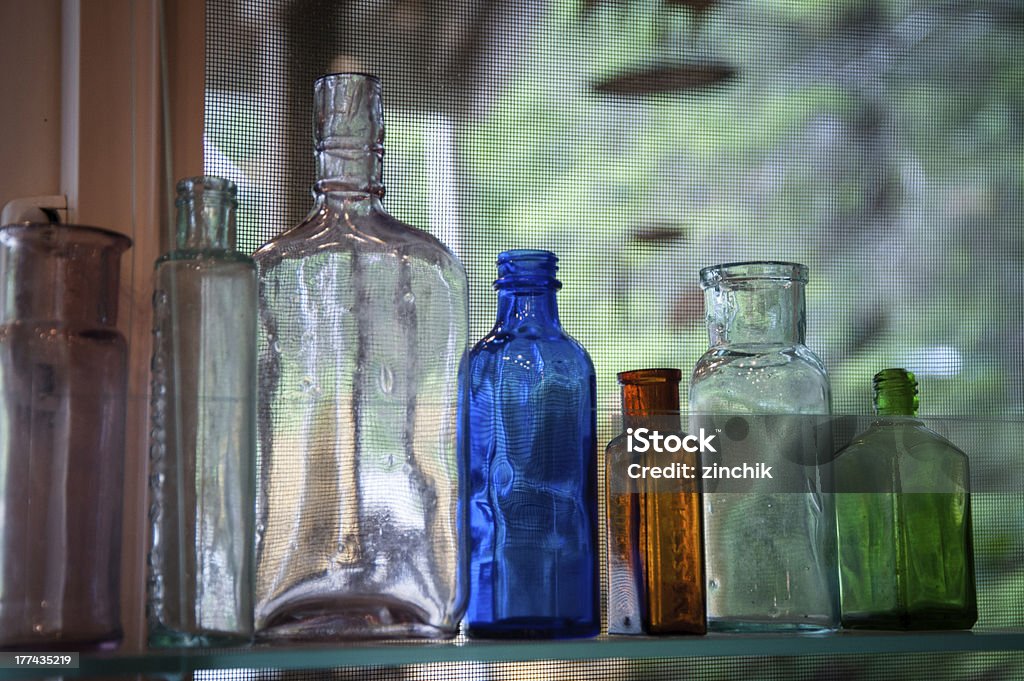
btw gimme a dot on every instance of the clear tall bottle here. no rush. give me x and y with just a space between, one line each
363 323
770 552
202 450
655 542
63 383
530 441
903 511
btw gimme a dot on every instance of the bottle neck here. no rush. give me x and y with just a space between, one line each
755 312
895 393
206 214
526 288
527 306
650 398
349 138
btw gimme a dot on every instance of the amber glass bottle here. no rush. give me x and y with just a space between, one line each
655 544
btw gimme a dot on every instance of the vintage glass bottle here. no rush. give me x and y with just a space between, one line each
63 374
903 512
655 542
770 548
363 323
529 435
202 448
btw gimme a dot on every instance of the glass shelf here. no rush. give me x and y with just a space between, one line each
175 662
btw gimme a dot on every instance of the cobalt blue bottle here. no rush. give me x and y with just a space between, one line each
529 438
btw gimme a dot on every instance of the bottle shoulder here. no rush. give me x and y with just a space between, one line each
548 342
762 378
327 230
901 435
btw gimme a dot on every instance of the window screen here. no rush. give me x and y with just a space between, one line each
876 141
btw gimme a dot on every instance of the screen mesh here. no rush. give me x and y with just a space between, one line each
879 143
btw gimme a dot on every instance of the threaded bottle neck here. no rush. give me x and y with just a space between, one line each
526 286
895 393
348 125
206 214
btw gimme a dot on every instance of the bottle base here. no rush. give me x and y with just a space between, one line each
533 628
351 619
934 619
768 625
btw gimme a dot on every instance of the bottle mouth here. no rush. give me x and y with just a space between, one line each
348 76
210 185
649 376
768 270
895 391
527 268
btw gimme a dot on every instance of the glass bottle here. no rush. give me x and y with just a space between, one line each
363 323
530 441
655 542
202 449
903 511
63 379
770 548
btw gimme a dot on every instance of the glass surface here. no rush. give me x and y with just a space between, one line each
655 539
530 442
770 556
363 322
62 414
903 513
203 412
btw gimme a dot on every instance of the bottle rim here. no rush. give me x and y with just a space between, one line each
64 234
649 376
346 75
776 270
207 183
527 268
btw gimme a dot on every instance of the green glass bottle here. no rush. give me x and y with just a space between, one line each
904 520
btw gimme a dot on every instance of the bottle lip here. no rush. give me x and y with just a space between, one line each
776 270
347 75
528 255
649 376
64 234
207 183
527 269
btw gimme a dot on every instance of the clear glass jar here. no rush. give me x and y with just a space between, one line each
63 373
770 553
363 323
203 412
530 440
